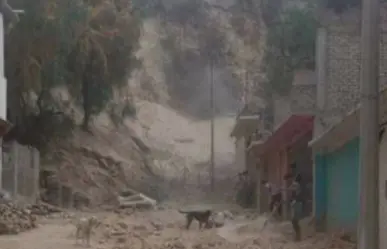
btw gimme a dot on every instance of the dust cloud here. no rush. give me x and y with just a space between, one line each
174 110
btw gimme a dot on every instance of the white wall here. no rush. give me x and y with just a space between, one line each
3 90
3 83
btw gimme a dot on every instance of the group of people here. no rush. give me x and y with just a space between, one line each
297 200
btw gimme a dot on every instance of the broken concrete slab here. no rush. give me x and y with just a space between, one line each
138 200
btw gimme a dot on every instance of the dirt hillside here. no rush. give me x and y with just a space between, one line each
144 153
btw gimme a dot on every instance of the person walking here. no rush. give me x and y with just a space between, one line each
275 204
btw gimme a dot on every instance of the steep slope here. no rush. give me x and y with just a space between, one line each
168 130
169 140
175 53
161 146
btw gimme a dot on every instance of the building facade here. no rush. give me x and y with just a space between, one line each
286 151
246 125
338 64
383 188
336 143
5 10
336 173
287 145
337 187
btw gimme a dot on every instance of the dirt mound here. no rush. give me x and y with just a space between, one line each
91 169
156 154
15 219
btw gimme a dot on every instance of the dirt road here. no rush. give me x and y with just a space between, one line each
159 230
48 236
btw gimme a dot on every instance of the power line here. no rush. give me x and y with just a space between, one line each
212 105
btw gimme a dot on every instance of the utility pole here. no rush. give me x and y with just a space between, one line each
212 104
368 228
246 87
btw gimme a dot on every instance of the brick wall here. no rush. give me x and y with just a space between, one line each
343 70
342 62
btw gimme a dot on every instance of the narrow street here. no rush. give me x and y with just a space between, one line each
164 229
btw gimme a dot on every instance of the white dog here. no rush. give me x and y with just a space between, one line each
84 228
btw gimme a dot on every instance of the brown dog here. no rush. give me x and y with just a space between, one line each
201 216
84 228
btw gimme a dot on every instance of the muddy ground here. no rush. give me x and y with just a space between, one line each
164 229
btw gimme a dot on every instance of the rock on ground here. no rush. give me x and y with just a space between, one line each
15 219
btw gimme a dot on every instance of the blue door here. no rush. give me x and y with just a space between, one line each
342 186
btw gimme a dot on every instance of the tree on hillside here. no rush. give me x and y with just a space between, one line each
102 56
87 46
290 46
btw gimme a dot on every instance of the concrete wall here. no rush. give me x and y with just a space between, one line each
253 174
20 174
240 154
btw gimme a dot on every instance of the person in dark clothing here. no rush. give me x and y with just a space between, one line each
296 206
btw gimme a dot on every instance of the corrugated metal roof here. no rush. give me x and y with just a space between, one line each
289 131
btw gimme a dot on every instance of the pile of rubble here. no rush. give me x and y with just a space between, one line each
339 240
15 219
318 241
43 209
174 243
